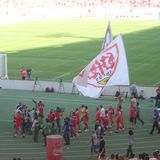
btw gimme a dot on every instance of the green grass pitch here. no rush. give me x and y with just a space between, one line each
61 48
80 148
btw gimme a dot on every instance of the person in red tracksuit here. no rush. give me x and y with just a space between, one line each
120 119
78 119
132 115
50 115
111 115
106 121
86 119
58 115
18 124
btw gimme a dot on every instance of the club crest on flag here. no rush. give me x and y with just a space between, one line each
104 66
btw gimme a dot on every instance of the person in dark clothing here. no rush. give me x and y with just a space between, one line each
156 122
66 131
101 146
138 114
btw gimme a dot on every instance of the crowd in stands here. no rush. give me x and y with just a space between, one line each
53 8
75 3
94 3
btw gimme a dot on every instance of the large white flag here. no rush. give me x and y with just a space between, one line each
108 68
82 77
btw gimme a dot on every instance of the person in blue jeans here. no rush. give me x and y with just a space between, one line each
66 131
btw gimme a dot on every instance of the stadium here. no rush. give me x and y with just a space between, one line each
54 40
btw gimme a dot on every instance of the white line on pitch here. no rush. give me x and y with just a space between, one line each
62 75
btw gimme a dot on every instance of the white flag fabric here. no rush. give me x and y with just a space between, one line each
108 37
81 78
108 68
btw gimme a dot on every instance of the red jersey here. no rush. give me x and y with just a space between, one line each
132 111
74 122
57 114
53 115
86 114
23 72
50 116
18 120
98 116
111 110
105 121
119 116
77 116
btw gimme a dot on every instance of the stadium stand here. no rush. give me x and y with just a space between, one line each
80 8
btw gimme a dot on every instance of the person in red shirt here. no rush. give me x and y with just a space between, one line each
132 116
111 115
86 119
74 124
23 73
98 115
106 121
50 115
77 114
58 115
119 120
157 96
18 124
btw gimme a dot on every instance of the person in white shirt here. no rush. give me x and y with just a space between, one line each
102 112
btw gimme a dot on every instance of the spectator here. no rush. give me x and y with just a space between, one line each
93 142
23 73
156 155
66 131
134 90
141 95
112 156
156 122
29 74
102 155
101 147
130 143
138 114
